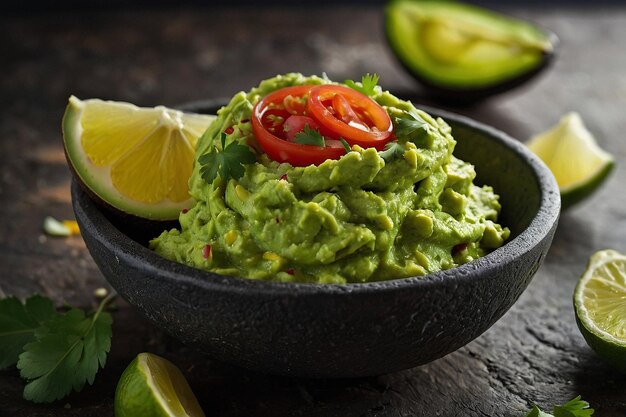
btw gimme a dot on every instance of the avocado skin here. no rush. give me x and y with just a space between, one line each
457 96
466 96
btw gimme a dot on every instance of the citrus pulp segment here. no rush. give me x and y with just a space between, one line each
137 160
154 387
579 165
600 303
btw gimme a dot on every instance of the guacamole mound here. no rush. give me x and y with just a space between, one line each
369 216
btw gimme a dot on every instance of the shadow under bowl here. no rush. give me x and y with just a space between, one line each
352 330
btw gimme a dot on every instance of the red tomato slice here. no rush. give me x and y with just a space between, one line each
348 114
295 124
270 134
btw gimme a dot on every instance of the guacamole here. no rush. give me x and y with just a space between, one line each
371 215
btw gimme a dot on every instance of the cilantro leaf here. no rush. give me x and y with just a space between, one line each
67 352
345 144
228 163
536 412
368 84
413 128
575 407
393 150
18 323
309 136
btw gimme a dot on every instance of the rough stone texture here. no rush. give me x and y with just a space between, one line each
534 354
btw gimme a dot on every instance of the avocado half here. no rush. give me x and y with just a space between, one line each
465 53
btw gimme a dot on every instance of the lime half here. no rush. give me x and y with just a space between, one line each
154 387
579 165
600 303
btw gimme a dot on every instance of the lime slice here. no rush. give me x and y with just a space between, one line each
579 165
600 303
154 387
137 160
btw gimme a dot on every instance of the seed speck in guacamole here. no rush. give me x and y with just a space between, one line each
403 207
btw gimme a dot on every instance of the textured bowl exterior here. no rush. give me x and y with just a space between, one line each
347 330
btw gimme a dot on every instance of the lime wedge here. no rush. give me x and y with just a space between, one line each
154 387
579 165
136 159
600 303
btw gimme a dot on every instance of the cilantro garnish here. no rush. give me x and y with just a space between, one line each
345 144
368 84
18 323
393 150
309 136
229 162
412 128
59 352
575 407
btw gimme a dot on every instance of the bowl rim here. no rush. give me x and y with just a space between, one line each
123 247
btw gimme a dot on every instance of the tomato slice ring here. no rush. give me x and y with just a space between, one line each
350 115
277 148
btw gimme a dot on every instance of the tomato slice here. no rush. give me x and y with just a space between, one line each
350 115
334 111
268 119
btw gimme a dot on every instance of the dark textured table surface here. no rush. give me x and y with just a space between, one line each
535 353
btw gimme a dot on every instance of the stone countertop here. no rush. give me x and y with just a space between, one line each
534 354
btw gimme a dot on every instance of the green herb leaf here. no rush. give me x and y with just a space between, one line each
345 144
536 412
18 323
412 128
228 163
67 352
367 85
575 407
309 136
393 150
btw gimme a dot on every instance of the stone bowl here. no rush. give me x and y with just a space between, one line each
352 330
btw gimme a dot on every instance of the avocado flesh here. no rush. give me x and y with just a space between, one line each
463 47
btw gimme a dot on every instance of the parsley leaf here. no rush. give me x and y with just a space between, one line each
414 129
18 323
309 136
67 352
228 163
393 150
368 84
575 407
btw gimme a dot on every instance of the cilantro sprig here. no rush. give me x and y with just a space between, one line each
575 407
393 150
57 352
412 128
368 84
228 163
308 136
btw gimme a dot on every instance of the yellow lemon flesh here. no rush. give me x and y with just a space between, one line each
137 160
579 165
600 303
154 387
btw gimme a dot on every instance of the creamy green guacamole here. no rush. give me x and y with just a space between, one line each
357 219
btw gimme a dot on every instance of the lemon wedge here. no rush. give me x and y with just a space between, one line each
579 165
137 160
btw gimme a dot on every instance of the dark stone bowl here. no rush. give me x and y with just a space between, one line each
348 330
